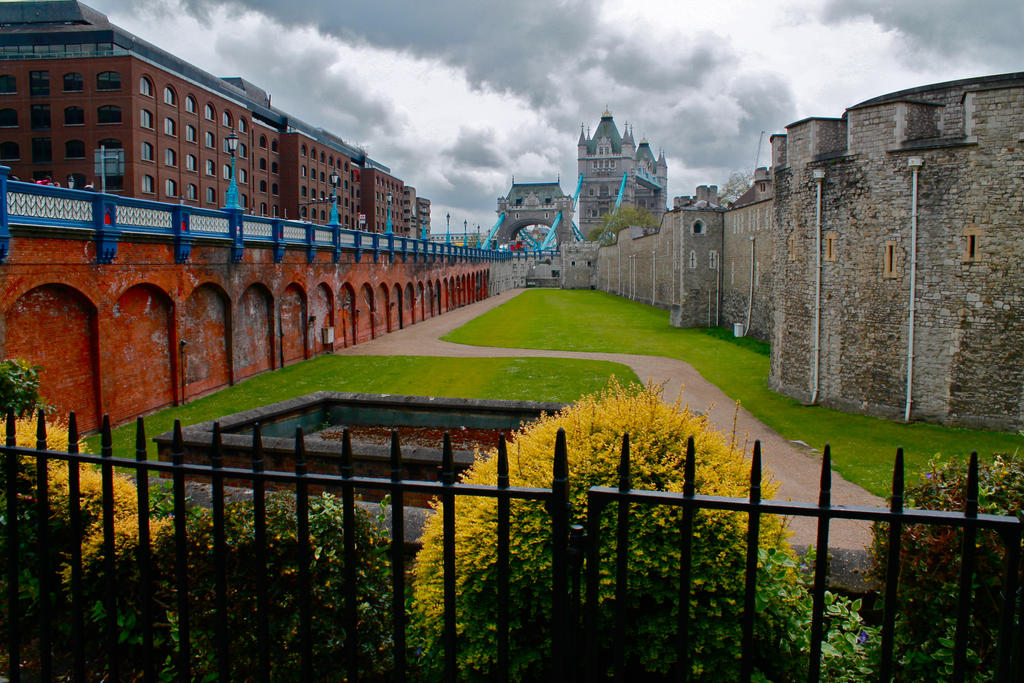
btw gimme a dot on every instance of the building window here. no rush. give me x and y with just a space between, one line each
190 104
74 149
169 97
74 116
890 260
191 192
302 191
170 188
147 184
210 140
263 141
713 260
191 162
169 126
243 177
170 157
211 168
241 125
263 186
40 116
111 143
108 80
263 208
190 133
38 83
225 119
145 119
8 118
275 210
243 151
698 228
263 164
972 244
693 259
146 87
211 195
73 82
146 152
302 171
830 246
8 85
9 151
303 150
273 190
227 172
108 113
209 113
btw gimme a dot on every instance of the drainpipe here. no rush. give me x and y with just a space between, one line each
750 294
819 176
915 164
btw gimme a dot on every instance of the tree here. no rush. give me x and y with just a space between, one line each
620 219
738 183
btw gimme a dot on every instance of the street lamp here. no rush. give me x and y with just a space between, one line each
232 196
477 235
423 228
448 228
334 197
389 213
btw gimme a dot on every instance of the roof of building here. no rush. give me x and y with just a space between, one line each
605 129
644 153
977 83
45 23
544 191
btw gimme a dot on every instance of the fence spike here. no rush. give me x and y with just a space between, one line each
177 444
396 457
502 462
690 468
217 452
300 451
896 503
10 428
72 433
346 453
140 440
561 464
106 441
825 487
755 474
447 461
40 430
624 464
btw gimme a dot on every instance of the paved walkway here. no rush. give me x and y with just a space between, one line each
797 468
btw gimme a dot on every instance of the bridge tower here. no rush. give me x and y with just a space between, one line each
535 204
618 171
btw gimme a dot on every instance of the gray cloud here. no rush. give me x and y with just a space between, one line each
475 148
988 30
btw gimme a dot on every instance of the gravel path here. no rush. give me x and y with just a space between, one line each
797 468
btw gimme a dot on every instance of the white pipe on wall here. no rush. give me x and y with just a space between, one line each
915 164
750 295
819 177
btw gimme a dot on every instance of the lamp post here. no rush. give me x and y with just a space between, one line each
423 228
389 214
232 196
334 197
477 235
465 232
448 228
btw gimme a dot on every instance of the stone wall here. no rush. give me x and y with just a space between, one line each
968 352
747 256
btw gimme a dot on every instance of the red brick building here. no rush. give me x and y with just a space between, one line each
71 82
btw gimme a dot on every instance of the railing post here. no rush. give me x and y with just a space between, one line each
375 242
104 221
237 238
559 560
277 231
180 217
5 231
336 242
358 241
13 566
310 243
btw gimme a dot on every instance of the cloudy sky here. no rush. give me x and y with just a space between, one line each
457 96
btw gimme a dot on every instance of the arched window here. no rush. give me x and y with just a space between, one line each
147 184
303 150
108 113
74 149
190 104
243 177
302 191
9 151
74 116
211 195
146 153
145 87
273 190
145 119
322 157
191 163
73 82
191 192
108 80
209 113
263 186
8 118
170 157
8 85
273 167
263 208
190 133
243 151
263 164
211 168
693 259
227 171
210 140
225 119
241 125
170 127
111 143
273 145
169 96
263 141
698 228
303 212
170 188
302 171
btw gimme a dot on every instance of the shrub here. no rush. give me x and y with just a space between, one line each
929 574
658 434
19 387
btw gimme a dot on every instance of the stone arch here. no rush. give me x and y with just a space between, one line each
410 303
369 315
54 326
293 328
142 365
398 307
384 308
254 331
321 314
205 356
438 300
347 301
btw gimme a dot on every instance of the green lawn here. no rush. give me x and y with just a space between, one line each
537 379
862 447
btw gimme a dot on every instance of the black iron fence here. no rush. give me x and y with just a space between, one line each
574 652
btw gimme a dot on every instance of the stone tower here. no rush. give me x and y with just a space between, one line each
603 159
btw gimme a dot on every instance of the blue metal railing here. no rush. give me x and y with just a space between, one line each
109 219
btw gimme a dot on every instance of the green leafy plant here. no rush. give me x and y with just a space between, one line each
930 569
19 387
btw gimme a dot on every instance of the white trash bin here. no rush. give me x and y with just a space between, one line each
737 329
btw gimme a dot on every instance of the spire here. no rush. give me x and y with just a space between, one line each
583 139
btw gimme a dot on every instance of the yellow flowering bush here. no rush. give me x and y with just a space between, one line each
594 427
